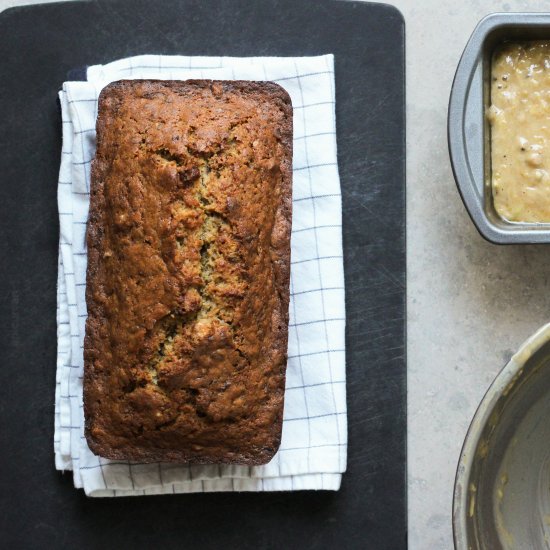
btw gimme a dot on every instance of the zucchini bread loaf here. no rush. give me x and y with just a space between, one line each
188 271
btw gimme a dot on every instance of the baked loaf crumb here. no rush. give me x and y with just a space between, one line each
188 271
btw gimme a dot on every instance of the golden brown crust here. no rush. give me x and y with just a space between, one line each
188 271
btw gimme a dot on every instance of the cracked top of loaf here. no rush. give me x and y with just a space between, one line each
188 271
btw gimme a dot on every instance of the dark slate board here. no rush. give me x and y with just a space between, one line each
39 45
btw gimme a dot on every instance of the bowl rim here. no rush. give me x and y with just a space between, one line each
502 383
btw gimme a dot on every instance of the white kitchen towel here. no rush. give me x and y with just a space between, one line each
314 442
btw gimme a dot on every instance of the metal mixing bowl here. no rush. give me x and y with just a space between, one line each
502 488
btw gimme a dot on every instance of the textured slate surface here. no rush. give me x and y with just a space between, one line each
39 45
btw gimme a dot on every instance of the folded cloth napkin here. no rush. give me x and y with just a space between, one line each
314 441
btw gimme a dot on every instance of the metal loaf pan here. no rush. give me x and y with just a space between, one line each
469 133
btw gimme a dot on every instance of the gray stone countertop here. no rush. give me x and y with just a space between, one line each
470 303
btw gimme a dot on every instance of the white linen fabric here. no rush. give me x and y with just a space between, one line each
314 441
